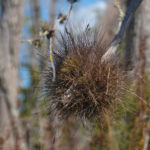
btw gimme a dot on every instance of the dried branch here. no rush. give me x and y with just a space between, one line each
121 13
110 55
49 32
61 19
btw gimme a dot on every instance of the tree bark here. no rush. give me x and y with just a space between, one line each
137 30
10 31
132 41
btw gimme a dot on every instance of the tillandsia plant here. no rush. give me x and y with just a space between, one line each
84 79
84 88
88 79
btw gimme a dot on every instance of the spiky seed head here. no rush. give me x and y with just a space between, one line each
84 88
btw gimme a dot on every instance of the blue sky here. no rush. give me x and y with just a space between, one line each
84 12
62 6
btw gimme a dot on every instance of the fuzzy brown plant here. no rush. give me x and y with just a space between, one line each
85 88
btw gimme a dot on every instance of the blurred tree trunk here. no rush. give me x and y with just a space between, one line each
137 30
145 21
11 137
132 40
36 15
137 53
47 128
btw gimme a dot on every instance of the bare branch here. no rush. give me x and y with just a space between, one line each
111 52
62 18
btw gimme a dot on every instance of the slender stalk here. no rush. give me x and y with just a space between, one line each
63 17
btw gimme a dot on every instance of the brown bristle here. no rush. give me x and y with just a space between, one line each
84 88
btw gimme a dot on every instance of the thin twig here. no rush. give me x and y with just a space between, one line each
51 34
51 58
26 40
121 14
63 17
